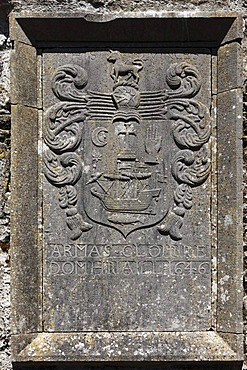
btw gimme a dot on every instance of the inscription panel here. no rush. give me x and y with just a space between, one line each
127 190
127 259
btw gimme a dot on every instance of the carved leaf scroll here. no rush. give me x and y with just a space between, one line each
63 135
184 79
191 132
62 170
68 83
191 128
63 123
191 168
183 197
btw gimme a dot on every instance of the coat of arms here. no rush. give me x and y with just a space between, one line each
128 177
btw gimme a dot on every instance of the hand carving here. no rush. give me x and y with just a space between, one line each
76 223
68 200
153 140
67 196
190 129
183 198
63 134
172 226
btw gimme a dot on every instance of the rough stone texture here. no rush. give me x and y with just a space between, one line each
25 274
4 192
110 306
74 5
227 218
230 77
245 198
110 5
121 346
24 92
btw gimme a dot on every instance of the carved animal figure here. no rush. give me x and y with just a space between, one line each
123 69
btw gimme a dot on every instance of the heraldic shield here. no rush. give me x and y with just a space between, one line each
127 159
127 184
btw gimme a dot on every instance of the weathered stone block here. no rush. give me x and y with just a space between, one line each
25 255
230 67
24 76
127 245
229 200
16 32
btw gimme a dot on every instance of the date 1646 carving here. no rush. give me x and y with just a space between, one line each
133 179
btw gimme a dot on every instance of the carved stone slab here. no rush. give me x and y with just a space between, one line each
126 193
134 160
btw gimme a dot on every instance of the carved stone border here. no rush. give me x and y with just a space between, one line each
221 32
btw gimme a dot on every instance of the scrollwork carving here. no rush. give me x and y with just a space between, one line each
68 83
68 200
184 80
67 196
62 170
63 134
76 223
171 226
191 168
191 128
63 123
183 198
191 131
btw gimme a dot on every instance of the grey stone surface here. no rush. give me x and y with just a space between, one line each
123 346
5 360
127 258
229 71
229 153
245 208
35 6
126 209
109 5
24 201
16 29
24 77
4 75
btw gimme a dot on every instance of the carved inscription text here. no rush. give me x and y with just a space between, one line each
127 259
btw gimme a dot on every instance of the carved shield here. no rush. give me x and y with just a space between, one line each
126 179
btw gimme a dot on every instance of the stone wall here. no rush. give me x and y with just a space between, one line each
6 6
5 47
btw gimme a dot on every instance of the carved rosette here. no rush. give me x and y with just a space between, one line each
64 122
62 135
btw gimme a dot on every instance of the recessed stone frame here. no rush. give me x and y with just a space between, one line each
31 34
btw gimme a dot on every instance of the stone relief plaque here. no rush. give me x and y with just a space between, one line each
127 190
